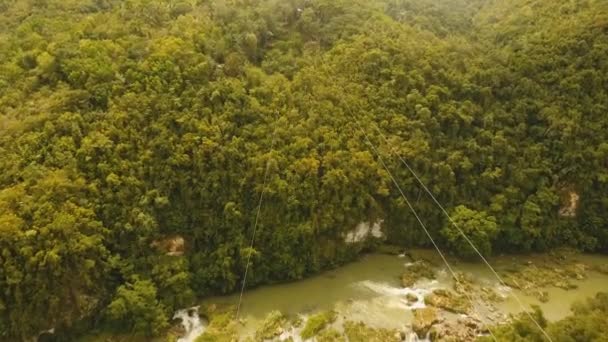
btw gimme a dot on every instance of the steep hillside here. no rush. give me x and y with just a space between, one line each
127 123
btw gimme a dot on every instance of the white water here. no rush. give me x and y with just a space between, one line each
401 294
370 291
192 323
412 337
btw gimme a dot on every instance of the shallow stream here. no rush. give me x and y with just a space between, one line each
369 290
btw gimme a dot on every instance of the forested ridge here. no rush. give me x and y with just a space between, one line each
123 123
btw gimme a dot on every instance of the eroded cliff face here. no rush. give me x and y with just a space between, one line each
364 231
570 204
172 245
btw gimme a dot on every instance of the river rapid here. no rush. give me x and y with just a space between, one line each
370 291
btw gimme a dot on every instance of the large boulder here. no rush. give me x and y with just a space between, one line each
603 268
424 319
359 332
464 329
452 332
448 300
415 271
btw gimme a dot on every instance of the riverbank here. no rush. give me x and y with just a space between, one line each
395 296
370 297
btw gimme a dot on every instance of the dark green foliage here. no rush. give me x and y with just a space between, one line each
53 254
478 227
123 123
587 323
135 306
523 329
316 323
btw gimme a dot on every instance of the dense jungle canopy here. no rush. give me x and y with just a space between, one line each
123 123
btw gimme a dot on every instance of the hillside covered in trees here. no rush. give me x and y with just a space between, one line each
126 123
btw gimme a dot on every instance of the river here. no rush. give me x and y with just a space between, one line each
369 290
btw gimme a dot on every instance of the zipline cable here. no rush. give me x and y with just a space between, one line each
373 147
255 225
426 189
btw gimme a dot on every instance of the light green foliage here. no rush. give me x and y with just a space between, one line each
522 329
52 253
136 306
587 322
316 323
222 327
359 332
273 325
330 335
126 122
478 227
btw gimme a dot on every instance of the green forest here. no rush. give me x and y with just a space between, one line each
587 323
127 123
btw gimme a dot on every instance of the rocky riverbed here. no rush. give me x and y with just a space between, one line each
407 297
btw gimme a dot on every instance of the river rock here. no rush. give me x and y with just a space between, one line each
601 268
464 329
177 328
416 271
488 294
565 285
359 332
463 283
469 322
452 332
497 317
577 271
510 281
390 249
542 296
448 300
411 298
550 271
424 320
